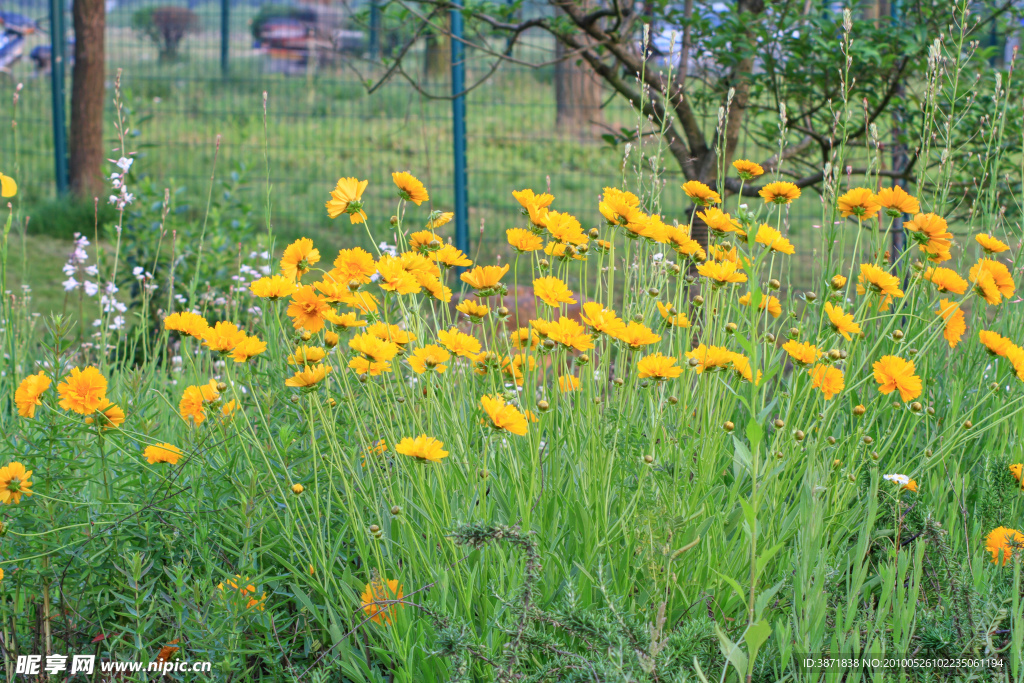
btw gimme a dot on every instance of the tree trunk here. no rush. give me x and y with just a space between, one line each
437 58
87 97
577 94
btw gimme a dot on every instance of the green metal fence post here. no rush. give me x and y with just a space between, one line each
58 40
225 36
459 132
375 23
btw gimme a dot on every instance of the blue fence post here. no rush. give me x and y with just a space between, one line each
459 131
225 36
58 40
375 24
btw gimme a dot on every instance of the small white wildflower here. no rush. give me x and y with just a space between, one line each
900 479
70 285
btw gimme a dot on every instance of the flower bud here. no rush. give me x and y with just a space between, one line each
859 410
222 387
638 318
794 333
653 292
294 398
994 386
774 284
594 233
874 455
834 354
728 426
354 285
693 362
618 381
930 411
543 406
548 344
396 510
374 528
698 301
779 424
770 338
811 296
648 459
672 400
916 407
968 424
400 399
394 220
897 334
831 441
731 328
911 352
583 359
851 478
836 464
798 435
483 473
502 312
868 440
544 264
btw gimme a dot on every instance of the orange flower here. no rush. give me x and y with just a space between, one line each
673 319
720 222
450 257
552 291
658 367
458 342
186 322
108 416
828 379
569 334
773 239
747 170
309 376
1004 542
82 391
473 310
955 327
248 348
945 280
842 323
485 279
990 244
429 357
162 452
568 383
353 265
701 194
779 193
636 335
298 257
527 198
503 417
997 344
897 374
192 406
347 197
565 228
860 202
771 303
409 188
710 358
378 600
523 240
992 280
896 201
308 310
223 337
721 272
932 235
27 396
618 207
272 288
802 353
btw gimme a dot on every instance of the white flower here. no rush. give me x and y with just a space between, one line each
93 270
117 324
900 479
124 164
70 285
69 269
91 288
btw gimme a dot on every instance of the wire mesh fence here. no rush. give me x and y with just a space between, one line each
184 86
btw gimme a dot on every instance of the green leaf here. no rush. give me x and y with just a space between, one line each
732 652
756 635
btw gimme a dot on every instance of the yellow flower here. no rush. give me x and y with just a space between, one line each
373 347
563 251
896 201
841 323
192 324
569 334
108 415
779 193
394 277
272 288
636 335
162 452
309 376
439 218
618 207
721 272
741 364
945 280
390 333
828 379
473 310
15 481
773 239
837 282
485 279
568 383
903 481
992 279
525 338
932 235
27 396
503 416
990 244
307 355
194 399
1004 542
343 320
527 198
747 170
423 447
720 222
429 357
684 245
658 367
347 197
248 348
297 489
458 342
955 327
879 281
552 291
450 257
1017 471
802 353
223 337
298 257
860 202
308 310
701 194
82 391
410 188
710 358
379 592
364 366
671 318
996 344
897 374
771 303
523 240
513 367
353 265
8 188
425 241
564 228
